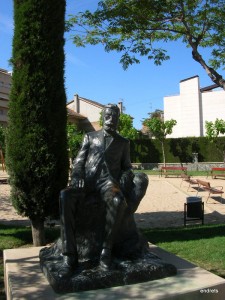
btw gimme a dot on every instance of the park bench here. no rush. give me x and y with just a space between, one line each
217 172
211 190
177 171
188 179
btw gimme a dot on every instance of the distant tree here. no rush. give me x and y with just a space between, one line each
136 27
160 129
158 113
125 127
74 137
37 156
213 130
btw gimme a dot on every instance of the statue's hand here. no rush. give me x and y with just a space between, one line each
126 180
78 183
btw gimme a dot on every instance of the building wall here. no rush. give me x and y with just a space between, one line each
89 109
5 85
191 108
214 106
172 109
86 108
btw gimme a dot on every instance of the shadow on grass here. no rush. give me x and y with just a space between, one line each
165 235
12 234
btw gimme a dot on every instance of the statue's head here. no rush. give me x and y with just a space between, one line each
110 115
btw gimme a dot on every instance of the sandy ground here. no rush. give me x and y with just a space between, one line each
162 206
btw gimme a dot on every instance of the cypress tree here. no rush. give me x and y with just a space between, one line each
37 157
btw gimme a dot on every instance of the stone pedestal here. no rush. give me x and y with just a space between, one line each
25 280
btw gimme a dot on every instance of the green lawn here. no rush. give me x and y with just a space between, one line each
201 245
156 172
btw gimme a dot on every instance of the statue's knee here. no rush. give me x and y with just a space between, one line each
141 181
119 202
67 194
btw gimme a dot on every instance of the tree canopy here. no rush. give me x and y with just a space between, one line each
136 28
74 137
213 131
160 129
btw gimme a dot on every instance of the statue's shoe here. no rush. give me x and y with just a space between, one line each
69 265
105 259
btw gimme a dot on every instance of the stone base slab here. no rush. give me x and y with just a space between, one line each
25 280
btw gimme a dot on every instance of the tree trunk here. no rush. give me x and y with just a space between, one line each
38 232
214 76
163 152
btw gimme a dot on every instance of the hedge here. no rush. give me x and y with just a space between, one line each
177 150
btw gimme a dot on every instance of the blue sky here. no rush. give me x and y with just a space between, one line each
94 74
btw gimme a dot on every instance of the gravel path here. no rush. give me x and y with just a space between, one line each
162 206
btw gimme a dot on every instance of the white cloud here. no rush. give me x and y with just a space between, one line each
6 24
70 58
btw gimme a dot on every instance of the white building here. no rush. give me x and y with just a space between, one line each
193 106
5 85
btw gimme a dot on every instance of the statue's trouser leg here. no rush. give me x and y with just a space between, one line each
138 191
115 207
68 207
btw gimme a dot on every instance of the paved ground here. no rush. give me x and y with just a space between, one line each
162 206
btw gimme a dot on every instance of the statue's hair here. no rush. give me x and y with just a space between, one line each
113 107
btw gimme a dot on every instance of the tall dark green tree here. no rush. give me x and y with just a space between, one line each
37 157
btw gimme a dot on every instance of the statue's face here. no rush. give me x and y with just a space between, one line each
110 120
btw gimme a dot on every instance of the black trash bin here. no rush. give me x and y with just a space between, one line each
193 209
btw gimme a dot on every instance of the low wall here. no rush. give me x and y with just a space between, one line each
200 166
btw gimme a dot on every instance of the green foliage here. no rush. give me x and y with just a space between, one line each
145 151
125 128
176 150
74 137
160 129
37 157
137 28
213 130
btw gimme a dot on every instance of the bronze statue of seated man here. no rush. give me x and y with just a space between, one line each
101 167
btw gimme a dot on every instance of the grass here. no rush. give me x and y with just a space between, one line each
201 245
191 173
16 237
